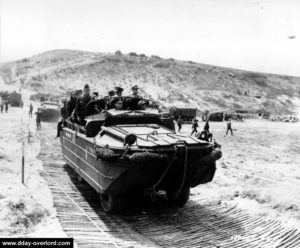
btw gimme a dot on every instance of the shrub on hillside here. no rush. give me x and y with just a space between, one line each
258 78
118 53
128 61
37 78
142 55
133 54
163 65
155 57
36 85
114 59
237 106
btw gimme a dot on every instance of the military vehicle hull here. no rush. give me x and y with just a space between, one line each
50 115
117 172
50 111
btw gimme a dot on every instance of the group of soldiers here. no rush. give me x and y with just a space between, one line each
3 104
75 109
205 134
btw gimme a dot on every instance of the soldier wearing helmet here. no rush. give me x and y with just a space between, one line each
81 103
135 92
119 91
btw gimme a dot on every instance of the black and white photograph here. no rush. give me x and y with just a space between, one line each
150 123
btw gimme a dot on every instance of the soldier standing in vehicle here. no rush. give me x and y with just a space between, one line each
118 104
63 112
135 92
109 99
119 91
95 95
71 103
229 127
81 103
179 123
135 98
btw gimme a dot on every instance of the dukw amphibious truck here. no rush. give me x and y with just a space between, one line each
122 153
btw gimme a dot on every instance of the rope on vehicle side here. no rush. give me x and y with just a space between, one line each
152 190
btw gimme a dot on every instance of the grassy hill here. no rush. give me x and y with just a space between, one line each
172 82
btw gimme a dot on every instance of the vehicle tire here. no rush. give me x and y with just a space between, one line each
110 204
178 198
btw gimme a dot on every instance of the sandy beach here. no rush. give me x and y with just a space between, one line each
26 210
259 172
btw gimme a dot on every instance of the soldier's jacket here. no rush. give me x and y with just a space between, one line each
132 103
38 116
195 125
63 111
136 96
228 124
71 104
81 103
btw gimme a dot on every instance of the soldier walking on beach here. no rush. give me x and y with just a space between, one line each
179 123
229 127
206 126
38 119
6 106
30 110
194 126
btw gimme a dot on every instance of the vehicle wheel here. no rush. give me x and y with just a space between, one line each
110 203
178 198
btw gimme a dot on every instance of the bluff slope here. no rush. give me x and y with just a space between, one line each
172 82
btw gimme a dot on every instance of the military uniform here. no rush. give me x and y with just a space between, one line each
63 112
80 109
30 110
229 127
179 123
38 119
206 126
119 91
194 127
6 106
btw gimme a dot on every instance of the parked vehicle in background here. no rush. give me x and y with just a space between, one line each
187 114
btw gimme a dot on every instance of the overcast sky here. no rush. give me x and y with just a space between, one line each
247 34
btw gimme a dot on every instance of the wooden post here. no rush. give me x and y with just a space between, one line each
23 160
